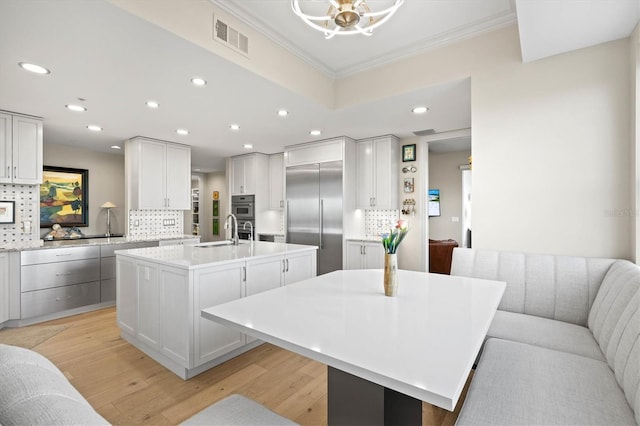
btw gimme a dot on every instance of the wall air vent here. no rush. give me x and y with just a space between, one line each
230 36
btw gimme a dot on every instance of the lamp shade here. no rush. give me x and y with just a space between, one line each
108 205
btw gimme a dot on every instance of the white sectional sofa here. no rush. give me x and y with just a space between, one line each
564 346
34 392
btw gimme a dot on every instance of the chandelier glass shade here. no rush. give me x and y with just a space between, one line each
344 17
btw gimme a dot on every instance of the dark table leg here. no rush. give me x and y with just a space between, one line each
354 401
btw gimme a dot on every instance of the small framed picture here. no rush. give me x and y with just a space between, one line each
408 184
7 212
409 152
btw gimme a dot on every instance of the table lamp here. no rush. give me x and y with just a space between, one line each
108 205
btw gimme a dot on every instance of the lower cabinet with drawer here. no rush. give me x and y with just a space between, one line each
58 279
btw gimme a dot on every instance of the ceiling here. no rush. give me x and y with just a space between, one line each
112 62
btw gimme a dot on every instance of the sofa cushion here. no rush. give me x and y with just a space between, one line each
35 392
555 287
520 384
544 332
615 322
236 410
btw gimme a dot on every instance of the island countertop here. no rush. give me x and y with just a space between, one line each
206 254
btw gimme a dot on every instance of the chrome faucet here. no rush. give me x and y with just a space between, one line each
234 230
250 229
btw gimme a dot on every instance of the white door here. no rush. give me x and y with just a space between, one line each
250 174
27 150
383 190
276 182
263 275
354 254
127 296
175 319
152 188
178 192
299 267
5 149
364 171
373 255
149 307
237 176
213 286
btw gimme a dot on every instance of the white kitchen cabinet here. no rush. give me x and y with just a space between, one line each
377 173
299 267
127 295
261 275
20 149
149 307
158 175
249 174
4 287
276 181
174 342
363 254
213 286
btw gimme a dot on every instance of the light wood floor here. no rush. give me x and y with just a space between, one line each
127 387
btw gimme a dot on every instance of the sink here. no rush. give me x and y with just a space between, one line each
215 243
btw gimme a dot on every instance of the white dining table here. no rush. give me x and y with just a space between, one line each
385 354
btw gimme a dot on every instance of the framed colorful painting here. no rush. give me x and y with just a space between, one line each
63 197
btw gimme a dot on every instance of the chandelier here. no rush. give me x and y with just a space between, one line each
345 16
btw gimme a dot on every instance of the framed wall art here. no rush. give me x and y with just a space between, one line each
7 212
63 197
409 152
408 184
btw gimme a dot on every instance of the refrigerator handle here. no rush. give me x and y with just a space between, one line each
321 221
286 231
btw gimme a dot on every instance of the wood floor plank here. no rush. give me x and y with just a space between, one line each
128 388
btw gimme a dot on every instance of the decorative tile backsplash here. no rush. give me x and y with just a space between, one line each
377 222
156 223
26 197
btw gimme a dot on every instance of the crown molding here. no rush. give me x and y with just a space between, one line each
418 47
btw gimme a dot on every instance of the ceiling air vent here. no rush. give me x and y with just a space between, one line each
230 37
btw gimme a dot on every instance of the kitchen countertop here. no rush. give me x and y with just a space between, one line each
207 254
81 242
375 238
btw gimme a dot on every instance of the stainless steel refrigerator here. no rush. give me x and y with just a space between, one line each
314 210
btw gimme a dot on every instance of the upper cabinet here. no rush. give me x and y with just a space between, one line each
247 173
276 181
158 175
20 149
377 173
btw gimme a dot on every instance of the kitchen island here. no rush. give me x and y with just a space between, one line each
162 290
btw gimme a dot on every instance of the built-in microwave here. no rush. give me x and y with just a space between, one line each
242 206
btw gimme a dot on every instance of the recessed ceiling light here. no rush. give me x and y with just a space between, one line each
315 133
247 146
197 81
283 112
34 68
234 127
76 108
94 128
420 110
197 170
182 132
116 147
152 104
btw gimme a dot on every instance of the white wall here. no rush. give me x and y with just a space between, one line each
106 183
445 175
550 140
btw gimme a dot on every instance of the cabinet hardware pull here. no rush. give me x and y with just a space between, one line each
374 201
287 260
244 273
15 172
8 171
284 268
364 250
